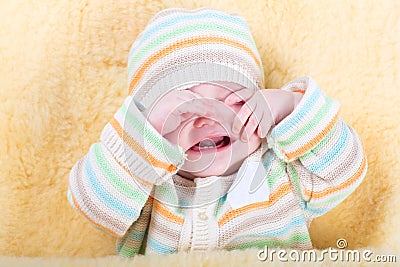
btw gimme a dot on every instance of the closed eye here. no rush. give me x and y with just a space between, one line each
241 103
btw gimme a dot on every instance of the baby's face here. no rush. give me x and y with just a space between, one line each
211 147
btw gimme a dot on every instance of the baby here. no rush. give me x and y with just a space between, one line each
201 157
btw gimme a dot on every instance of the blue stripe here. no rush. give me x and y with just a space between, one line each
301 202
181 18
294 223
135 236
268 161
108 199
318 212
308 105
332 204
333 154
157 246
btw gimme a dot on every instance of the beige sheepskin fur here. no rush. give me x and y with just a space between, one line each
63 76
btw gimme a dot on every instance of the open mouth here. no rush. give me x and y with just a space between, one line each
212 144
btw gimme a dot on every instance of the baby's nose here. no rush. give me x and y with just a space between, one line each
203 122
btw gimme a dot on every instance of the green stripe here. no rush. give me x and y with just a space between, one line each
295 180
128 251
297 238
329 201
315 203
310 125
166 190
188 29
151 136
296 183
220 206
134 236
322 144
118 184
276 172
179 211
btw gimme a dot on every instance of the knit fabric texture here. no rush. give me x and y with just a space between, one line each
313 161
181 46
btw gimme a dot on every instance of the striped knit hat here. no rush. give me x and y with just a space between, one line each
182 47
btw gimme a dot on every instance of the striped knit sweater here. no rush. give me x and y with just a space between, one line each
313 161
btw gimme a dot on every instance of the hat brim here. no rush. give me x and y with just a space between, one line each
187 75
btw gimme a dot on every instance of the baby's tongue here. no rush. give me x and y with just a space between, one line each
211 142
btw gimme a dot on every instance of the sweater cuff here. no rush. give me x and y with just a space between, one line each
307 125
139 147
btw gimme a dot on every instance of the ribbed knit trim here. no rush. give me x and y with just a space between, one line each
138 147
207 189
179 76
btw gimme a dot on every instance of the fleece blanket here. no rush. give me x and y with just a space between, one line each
63 76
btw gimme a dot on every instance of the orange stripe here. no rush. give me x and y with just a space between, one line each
90 219
314 141
140 180
299 91
280 192
186 43
168 215
149 200
139 149
334 189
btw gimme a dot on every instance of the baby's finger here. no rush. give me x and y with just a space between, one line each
181 113
191 106
205 106
238 96
199 107
241 118
255 118
170 124
259 113
232 99
262 130
250 127
264 126
244 114
186 95
267 120
261 121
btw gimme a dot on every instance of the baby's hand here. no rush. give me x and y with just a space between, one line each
262 109
176 107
